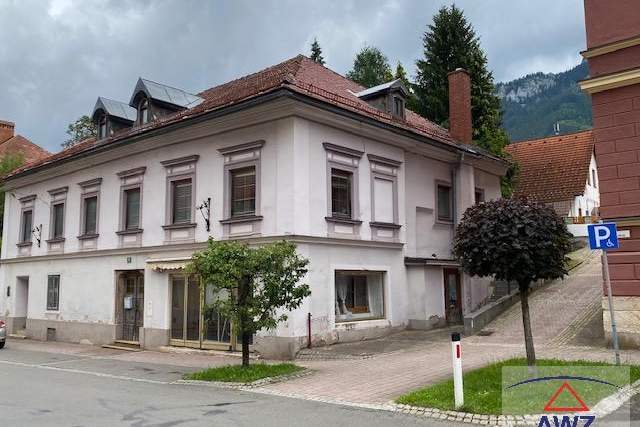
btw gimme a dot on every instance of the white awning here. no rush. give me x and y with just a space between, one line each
169 264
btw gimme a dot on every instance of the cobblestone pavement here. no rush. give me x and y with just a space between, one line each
557 310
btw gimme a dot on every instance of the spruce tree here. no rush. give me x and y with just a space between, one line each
370 68
316 52
402 75
450 42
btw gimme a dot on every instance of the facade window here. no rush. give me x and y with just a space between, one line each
102 127
53 292
143 112
132 208
384 195
181 201
27 225
341 193
359 296
57 221
593 178
90 215
444 203
243 191
479 195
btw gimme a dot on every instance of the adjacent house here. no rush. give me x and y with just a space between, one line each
560 171
96 237
18 145
613 54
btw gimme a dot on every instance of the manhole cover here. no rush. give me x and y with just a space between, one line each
486 332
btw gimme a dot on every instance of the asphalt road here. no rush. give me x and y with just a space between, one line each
47 389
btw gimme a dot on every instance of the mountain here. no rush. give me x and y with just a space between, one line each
534 103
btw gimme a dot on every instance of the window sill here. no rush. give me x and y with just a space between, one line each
362 321
444 223
389 225
241 219
179 226
127 232
55 240
342 220
24 244
88 236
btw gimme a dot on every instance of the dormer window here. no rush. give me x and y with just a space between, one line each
143 111
398 106
102 127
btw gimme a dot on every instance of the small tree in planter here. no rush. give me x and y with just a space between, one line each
254 283
514 240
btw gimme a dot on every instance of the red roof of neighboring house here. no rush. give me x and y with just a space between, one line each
555 168
19 145
299 74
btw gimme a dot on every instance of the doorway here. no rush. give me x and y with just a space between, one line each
21 305
452 296
130 305
194 322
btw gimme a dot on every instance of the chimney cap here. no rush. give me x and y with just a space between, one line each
458 70
6 123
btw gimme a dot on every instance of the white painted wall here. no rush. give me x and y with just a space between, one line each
293 183
590 199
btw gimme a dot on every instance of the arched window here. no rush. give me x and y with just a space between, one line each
102 127
143 112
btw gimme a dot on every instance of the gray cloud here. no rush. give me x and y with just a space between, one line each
57 57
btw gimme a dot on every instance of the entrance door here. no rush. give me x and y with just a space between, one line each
194 323
21 305
132 306
452 296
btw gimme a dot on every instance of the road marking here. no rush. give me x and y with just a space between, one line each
78 371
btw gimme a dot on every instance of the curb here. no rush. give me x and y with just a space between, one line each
247 386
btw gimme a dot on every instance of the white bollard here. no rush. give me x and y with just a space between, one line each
456 357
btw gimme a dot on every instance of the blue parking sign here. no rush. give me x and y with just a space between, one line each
603 236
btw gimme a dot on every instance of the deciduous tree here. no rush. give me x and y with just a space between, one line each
514 240
370 68
257 286
79 130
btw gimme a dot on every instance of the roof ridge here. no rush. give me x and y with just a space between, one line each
166 85
330 70
552 136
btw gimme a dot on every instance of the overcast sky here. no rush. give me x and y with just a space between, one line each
58 56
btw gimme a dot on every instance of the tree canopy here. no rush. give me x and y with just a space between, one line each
513 240
316 52
370 68
79 130
7 164
450 42
256 286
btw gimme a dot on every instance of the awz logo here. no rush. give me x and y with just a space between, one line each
567 421
565 389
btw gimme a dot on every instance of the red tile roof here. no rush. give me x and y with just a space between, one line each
555 168
22 146
299 74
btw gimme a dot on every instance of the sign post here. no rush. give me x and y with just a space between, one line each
456 357
605 236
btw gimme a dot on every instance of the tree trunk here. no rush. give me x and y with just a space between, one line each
246 338
526 323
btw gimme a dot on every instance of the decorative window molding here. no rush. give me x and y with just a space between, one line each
443 215
89 206
245 159
180 182
26 231
342 165
57 219
130 181
385 219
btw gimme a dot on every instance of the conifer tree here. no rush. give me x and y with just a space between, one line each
316 52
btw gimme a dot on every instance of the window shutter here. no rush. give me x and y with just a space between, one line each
181 201
383 200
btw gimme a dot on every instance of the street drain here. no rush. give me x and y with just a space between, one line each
486 332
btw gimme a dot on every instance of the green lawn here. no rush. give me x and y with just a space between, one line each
239 374
483 388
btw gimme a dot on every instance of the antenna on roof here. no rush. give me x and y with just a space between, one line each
556 128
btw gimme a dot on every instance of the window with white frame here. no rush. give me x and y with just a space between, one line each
444 202
242 188
131 182
26 226
181 201
181 182
53 292
342 184
359 295
57 220
384 192
89 201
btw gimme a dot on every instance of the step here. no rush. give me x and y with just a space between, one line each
17 336
124 345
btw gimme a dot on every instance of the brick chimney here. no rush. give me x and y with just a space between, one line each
460 126
6 130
